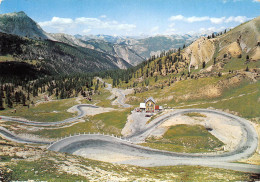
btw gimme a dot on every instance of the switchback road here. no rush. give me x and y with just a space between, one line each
87 144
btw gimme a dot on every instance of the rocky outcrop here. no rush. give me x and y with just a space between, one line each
202 50
22 25
68 39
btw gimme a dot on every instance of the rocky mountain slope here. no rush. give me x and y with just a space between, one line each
68 39
235 52
144 46
133 50
22 25
106 38
238 42
56 57
117 50
155 45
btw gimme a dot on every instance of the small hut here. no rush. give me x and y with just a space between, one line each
150 104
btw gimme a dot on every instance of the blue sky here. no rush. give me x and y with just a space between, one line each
134 17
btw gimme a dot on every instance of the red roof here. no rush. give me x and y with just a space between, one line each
156 107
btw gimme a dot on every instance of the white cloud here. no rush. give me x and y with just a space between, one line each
256 1
202 29
154 29
86 31
57 21
191 32
127 27
96 23
1 1
214 20
217 20
178 17
239 19
225 1
211 30
172 25
196 19
103 16
85 23
170 31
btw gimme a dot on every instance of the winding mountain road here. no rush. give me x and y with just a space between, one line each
11 136
78 108
86 144
89 144
117 92
143 156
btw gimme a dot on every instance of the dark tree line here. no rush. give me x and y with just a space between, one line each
19 91
213 35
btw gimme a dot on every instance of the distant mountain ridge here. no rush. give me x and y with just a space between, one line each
145 46
133 50
114 51
68 39
56 57
22 25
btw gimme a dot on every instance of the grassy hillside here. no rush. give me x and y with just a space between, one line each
226 79
224 74
184 138
45 112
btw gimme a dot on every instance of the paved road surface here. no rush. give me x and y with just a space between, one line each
10 136
118 92
147 157
150 157
81 113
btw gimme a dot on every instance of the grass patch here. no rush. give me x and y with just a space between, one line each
6 58
185 138
101 99
240 63
242 97
43 169
195 114
243 100
45 112
177 91
108 80
110 122
116 118
47 170
5 158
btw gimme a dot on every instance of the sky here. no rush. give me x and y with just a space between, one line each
134 17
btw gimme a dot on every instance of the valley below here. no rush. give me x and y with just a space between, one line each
235 145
